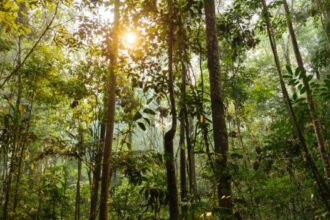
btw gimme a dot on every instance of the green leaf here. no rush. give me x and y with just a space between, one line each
142 126
300 100
292 82
137 116
294 97
5 45
302 90
149 111
309 78
301 72
327 82
288 67
147 120
314 85
150 100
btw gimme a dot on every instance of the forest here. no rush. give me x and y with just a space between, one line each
164 109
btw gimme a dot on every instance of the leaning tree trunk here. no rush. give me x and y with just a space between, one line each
110 118
220 134
324 10
322 186
169 135
311 104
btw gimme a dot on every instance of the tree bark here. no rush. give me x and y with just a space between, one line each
324 10
169 135
110 118
220 134
311 104
95 186
97 174
77 207
191 158
322 186
183 178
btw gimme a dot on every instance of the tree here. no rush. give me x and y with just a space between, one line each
183 116
220 134
322 185
310 100
169 135
165 87
110 117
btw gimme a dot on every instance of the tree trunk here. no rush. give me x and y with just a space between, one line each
324 10
183 178
322 186
182 55
110 118
246 161
218 114
96 175
8 186
309 97
16 128
95 187
169 135
191 158
77 207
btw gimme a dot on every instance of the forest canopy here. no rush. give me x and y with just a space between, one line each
164 109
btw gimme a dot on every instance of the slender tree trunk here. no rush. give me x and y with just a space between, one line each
21 156
324 10
79 151
322 186
185 117
191 155
246 160
110 118
218 114
96 184
8 185
311 104
183 178
77 207
191 158
169 135
286 52
240 137
16 127
20 166
190 148
96 176
298 197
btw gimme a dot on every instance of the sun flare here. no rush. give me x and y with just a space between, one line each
130 38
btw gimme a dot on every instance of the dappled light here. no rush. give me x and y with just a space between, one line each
163 109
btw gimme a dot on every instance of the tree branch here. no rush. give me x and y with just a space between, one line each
32 49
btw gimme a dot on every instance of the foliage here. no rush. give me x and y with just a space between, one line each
54 69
